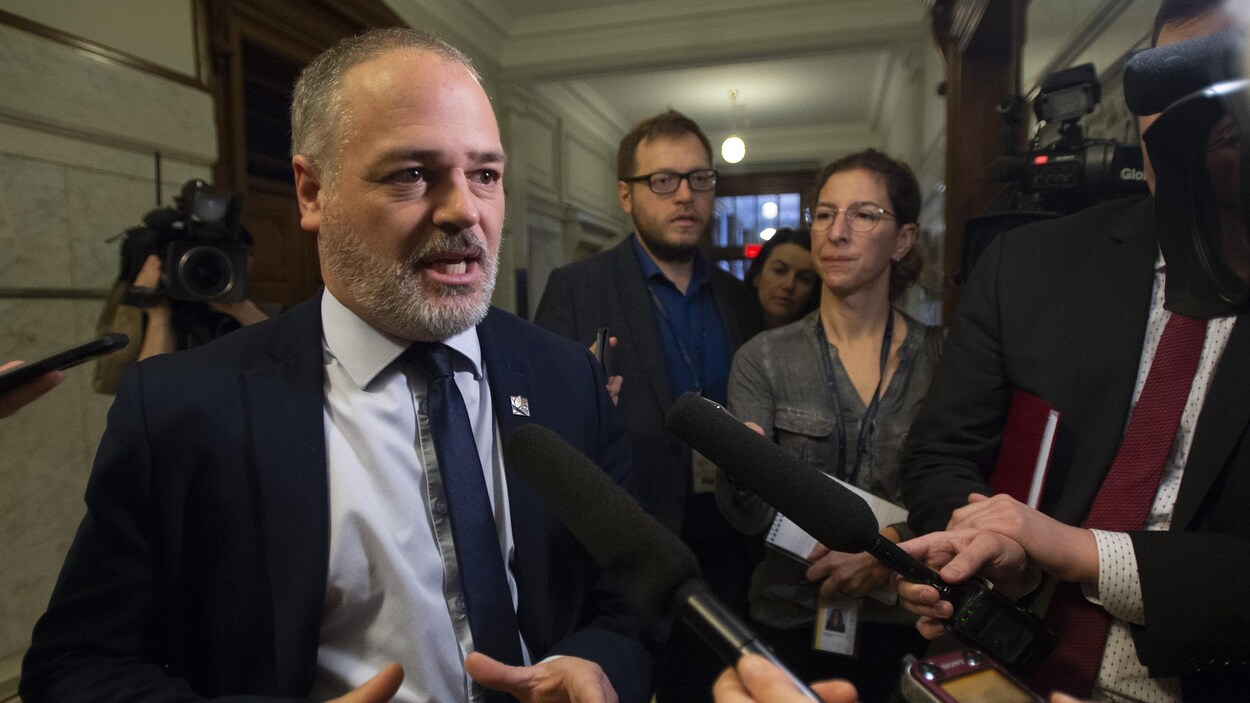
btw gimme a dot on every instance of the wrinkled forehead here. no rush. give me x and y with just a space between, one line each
415 79
406 96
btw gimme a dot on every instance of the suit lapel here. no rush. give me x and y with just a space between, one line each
731 318
1106 342
639 312
284 403
507 367
1225 414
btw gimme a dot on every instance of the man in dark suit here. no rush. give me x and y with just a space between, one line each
1073 311
678 320
281 513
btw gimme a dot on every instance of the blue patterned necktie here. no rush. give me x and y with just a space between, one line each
483 581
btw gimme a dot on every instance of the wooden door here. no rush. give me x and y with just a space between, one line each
254 51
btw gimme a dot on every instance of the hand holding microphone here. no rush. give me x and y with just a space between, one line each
756 680
982 617
1000 559
661 575
1004 540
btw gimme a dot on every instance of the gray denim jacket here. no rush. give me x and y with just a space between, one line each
778 381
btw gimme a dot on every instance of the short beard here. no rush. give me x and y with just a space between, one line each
663 251
391 292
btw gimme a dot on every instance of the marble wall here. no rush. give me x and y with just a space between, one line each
77 143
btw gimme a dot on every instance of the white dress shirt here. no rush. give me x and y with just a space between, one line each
393 586
1122 677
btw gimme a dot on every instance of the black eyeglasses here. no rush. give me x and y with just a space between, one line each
860 217
665 182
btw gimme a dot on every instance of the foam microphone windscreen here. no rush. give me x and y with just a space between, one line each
838 518
607 521
1158 77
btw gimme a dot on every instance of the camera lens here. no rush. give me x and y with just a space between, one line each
206 272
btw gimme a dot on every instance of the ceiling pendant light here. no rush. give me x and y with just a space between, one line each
733 148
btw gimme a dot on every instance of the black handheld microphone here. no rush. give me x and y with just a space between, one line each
660 573
843 522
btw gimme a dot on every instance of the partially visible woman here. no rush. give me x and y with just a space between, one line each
784 278
839 389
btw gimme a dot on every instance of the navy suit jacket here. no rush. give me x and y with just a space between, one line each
609 290
200 567
1059 309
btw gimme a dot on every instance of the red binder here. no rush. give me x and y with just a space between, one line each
1024 456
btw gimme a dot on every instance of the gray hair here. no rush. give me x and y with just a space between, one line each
320 121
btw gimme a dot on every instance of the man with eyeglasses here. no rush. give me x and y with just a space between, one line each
677 320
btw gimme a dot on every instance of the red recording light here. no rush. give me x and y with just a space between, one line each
752 250
1040 159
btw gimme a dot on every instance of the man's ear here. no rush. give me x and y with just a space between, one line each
624 197
309 192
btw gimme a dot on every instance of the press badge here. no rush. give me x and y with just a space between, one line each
702 472
837 626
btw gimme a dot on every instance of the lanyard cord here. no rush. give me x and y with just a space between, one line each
694 368
868 422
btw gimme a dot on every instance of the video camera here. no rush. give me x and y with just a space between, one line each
201 242
1074 172
1062 177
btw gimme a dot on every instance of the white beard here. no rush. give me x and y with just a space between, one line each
394 293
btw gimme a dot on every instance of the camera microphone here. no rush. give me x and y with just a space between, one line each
1158 77
843 522
661 574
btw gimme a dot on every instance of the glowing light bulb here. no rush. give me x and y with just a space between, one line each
733 149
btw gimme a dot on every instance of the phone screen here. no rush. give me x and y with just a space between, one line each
985 686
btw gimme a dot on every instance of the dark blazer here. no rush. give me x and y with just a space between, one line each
1059 309
608 290
200 567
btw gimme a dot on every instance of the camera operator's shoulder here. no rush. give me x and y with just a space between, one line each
295 331
1111 222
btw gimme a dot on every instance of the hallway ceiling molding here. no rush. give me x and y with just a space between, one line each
479 33
706 35
807 71
808 146
845 66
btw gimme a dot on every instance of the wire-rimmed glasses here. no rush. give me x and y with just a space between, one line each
860 217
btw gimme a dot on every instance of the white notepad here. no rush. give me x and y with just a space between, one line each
796 542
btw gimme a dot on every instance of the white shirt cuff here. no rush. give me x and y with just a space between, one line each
1119 584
